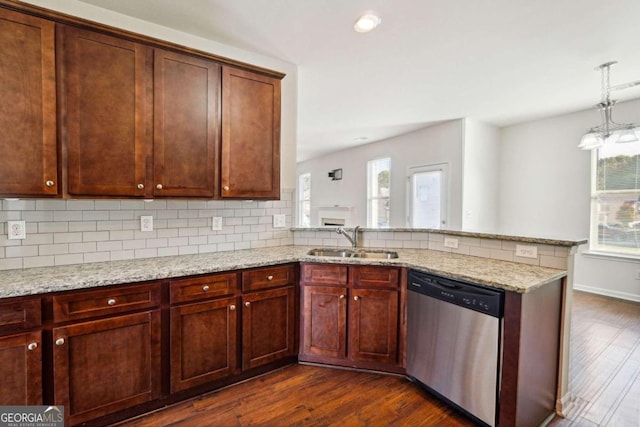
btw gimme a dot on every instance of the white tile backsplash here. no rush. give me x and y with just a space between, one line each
63 232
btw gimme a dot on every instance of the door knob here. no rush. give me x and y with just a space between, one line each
232 307
225 188
60 341
159 186
247 304
140 186
32 346
49 183
356 298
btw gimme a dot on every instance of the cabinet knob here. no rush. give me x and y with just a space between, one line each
60 341
32 346
225 188
232 307
205 288
269 277
140 186
356 298
111 301
159 186
49 183
341 296
247 304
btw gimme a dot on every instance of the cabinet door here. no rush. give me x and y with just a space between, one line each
250 135
186 92
267 327
106 365
21 369
106 110
203 342
324 313
373 326
28 164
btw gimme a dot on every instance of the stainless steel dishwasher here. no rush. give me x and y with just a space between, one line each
454 332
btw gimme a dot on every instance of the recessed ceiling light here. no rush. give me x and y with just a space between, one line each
367 22
360 139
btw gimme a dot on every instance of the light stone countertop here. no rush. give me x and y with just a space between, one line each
506 275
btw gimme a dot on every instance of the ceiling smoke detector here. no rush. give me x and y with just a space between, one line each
367 22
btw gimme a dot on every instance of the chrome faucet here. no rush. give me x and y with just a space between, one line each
353 238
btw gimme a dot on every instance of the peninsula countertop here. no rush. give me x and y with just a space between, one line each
505 275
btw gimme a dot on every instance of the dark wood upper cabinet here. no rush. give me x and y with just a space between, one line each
186 93
106 89
28 164
250 151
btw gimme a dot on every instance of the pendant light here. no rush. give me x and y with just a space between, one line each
609 131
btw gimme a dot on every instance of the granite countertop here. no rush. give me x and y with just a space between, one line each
506 275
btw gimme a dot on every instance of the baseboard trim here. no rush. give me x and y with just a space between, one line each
564 404
607 292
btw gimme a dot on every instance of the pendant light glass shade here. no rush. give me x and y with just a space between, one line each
591 140
609 131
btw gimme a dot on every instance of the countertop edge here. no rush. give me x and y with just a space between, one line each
45 280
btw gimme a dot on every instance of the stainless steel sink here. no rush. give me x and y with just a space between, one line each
346 253
341 253
376 254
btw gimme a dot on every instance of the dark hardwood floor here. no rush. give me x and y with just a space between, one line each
604 376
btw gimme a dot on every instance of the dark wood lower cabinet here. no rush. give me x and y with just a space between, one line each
106 365
268 326
373 326
21 369
324 321
203 342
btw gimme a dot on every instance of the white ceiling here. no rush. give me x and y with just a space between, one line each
497 61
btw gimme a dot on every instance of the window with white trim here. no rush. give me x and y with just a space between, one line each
615 199
378 194
304 200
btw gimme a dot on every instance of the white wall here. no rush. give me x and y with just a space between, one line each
480 177
440 143
545 191
289 83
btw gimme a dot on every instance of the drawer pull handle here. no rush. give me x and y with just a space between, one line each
49 183
247 304
225 188
140 186
60 341
356 298
341 296
232 307
159 186
269 277
111 301
205 288
32 346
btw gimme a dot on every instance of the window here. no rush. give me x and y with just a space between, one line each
304 200
615 199
427 199
378 180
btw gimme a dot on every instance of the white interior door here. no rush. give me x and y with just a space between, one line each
427 196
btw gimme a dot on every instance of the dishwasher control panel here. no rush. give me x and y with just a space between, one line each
469 295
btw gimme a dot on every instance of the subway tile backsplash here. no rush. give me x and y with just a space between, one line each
63 232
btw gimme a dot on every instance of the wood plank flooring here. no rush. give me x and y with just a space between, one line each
604 373
604 376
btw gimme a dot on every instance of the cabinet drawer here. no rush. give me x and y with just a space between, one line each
374 277
202 288
323 274
19 315
87 304
264 278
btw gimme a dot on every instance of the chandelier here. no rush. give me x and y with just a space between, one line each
609 131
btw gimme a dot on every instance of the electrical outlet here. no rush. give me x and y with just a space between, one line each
216 223
16 230
146 223
450 242
279 221
526 251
